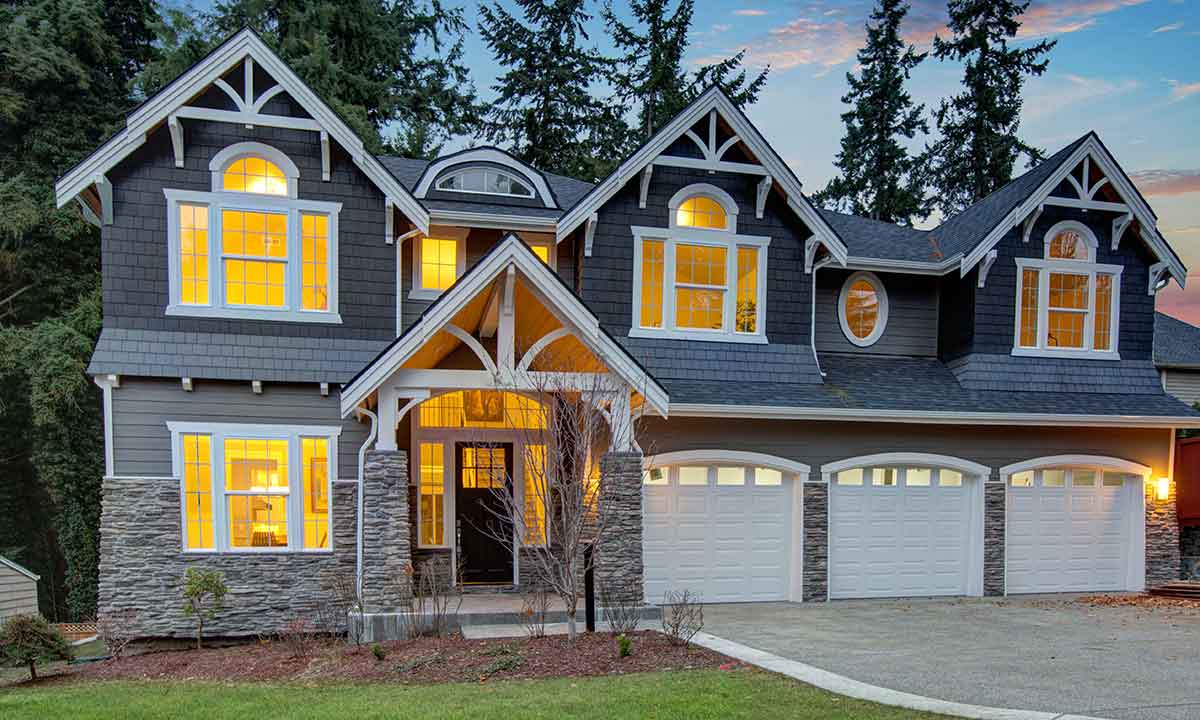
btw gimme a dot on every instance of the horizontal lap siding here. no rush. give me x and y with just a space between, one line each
18 593
142 407
1184 384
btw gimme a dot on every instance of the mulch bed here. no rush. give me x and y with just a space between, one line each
426 660
1147 602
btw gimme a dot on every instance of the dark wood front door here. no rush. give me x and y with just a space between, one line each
482 470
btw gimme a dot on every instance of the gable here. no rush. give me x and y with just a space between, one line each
206 92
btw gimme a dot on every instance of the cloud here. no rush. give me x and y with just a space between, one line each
1188 230
1167 28
1179 90
750 12
805 42
1182 304
1167 182
1047 17
1048 95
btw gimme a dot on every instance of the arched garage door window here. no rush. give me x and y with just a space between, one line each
722 524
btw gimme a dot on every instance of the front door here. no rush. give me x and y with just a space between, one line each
483 470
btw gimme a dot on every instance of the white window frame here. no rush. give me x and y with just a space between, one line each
217 433
416 292
729 239
880 319
219 200
512 176
1047 265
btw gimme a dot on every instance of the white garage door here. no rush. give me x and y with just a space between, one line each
1067 530
899 532
719 531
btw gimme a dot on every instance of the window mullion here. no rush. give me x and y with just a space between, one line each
1089 323
668 309
220 520
216 255
295 517
291 288
1043 308
729 301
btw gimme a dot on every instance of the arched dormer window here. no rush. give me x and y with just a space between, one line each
485 181
251 248
1067 303
698 278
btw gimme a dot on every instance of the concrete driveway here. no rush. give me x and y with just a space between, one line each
1035 653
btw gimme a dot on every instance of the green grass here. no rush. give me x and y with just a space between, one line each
696 694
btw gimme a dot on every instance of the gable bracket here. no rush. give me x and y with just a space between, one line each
589 233
88 213
760 201
1118 229
389 221
644 187
176 130
810 253
324 156
104 193
1030 222
1157 281
985 266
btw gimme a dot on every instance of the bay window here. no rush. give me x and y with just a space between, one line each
255 488
1067 303
698 279
275 255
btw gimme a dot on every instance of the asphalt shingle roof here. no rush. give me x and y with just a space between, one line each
1176 343
882 240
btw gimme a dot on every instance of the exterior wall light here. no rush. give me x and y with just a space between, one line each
1162 488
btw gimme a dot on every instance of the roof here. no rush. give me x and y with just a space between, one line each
18 568
1176 343
878 240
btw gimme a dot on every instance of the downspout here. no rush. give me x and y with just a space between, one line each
812 323
362 458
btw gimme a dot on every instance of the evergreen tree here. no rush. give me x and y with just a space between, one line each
877 173
978 144
650 68
545 112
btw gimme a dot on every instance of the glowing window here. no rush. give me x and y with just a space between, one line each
1021 479
485 181
193 254
1104 290
652 284
700 286
535 494
484 468
747 290
254 251
197 491
883 477
701 212
1083 478
432 489
314 262
254 175
693 476
1067 316
439 263
853 476
1069 245
483 409
917 477
949 478
767 477
257 487
542 251
314 455
863 309
1054 478
1029 307
731 476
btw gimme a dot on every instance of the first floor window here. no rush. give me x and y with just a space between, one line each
248 488
535 494
432 490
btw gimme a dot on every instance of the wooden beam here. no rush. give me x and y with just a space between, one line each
324 156
1087 204
810 253
1118 229
506 333
248 118
985 266
760 201
1030 222
644 187
1156 277
589 234
176 130
710 165
104 192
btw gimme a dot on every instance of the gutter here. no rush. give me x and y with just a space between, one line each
812 322
362 456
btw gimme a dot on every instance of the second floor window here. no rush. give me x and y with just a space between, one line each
251 248
698 278
1067 303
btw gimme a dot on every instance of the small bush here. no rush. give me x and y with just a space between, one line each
682 616
299 636
203 597
624 645
622 610
535 603
26 640
378 651
502 664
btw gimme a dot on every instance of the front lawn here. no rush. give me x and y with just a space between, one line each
739 693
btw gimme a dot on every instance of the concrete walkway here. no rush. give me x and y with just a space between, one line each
1049 654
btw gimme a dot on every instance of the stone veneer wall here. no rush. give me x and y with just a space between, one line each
618 563
142 565
1162 538
994 496
386 536
816 542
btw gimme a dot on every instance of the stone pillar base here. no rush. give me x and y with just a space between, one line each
386 543
618 561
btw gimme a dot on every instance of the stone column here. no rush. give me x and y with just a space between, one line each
994 509
815 586
618 561
1162 537
386 543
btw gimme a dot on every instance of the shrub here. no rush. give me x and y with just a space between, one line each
203 597
299 636
28 639
624 645
535 603
682 616
378 651
622 611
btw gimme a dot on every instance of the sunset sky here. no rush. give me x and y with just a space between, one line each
1128 69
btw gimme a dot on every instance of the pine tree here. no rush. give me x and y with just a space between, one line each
650 67
978 144
545 112
877 173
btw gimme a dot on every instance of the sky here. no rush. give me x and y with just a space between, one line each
1127 69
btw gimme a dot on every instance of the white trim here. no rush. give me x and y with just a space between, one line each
712 192
711 100
485 169
929 417
474 156
1102 462
881 316
417 292
671 237
106 385
1084 231
215 202
907 267
492 221
1047 267
735 457
243 45
237 151
919 459
217 433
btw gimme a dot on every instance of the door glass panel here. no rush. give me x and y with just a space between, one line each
1055 477
654 476
917 477
949 478
1083 478
483 468
1114 479
767 476
883 477
693 476
731 476
850 477
433 488
1022 479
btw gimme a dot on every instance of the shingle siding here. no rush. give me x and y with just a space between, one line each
912 315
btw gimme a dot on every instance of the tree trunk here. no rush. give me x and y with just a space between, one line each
199 632
571 605
33 669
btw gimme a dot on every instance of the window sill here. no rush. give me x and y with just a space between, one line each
1110 355
713 336
260 551
424 294
298 316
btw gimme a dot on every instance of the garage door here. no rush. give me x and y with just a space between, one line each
899 532
721 531
1067 530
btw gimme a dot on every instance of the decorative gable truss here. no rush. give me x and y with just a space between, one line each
88 184
1095 182
758 158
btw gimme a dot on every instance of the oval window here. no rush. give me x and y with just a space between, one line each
862 308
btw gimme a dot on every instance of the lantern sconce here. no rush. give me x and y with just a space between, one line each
1162 488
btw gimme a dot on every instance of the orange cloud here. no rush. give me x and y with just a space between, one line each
1166 182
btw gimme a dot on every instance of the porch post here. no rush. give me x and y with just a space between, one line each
618 560
386 549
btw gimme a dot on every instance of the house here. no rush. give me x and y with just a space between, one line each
18 590
1177 354
314 358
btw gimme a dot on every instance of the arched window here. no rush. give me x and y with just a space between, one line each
254 174
863 308
697 278
1067 303
485 181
